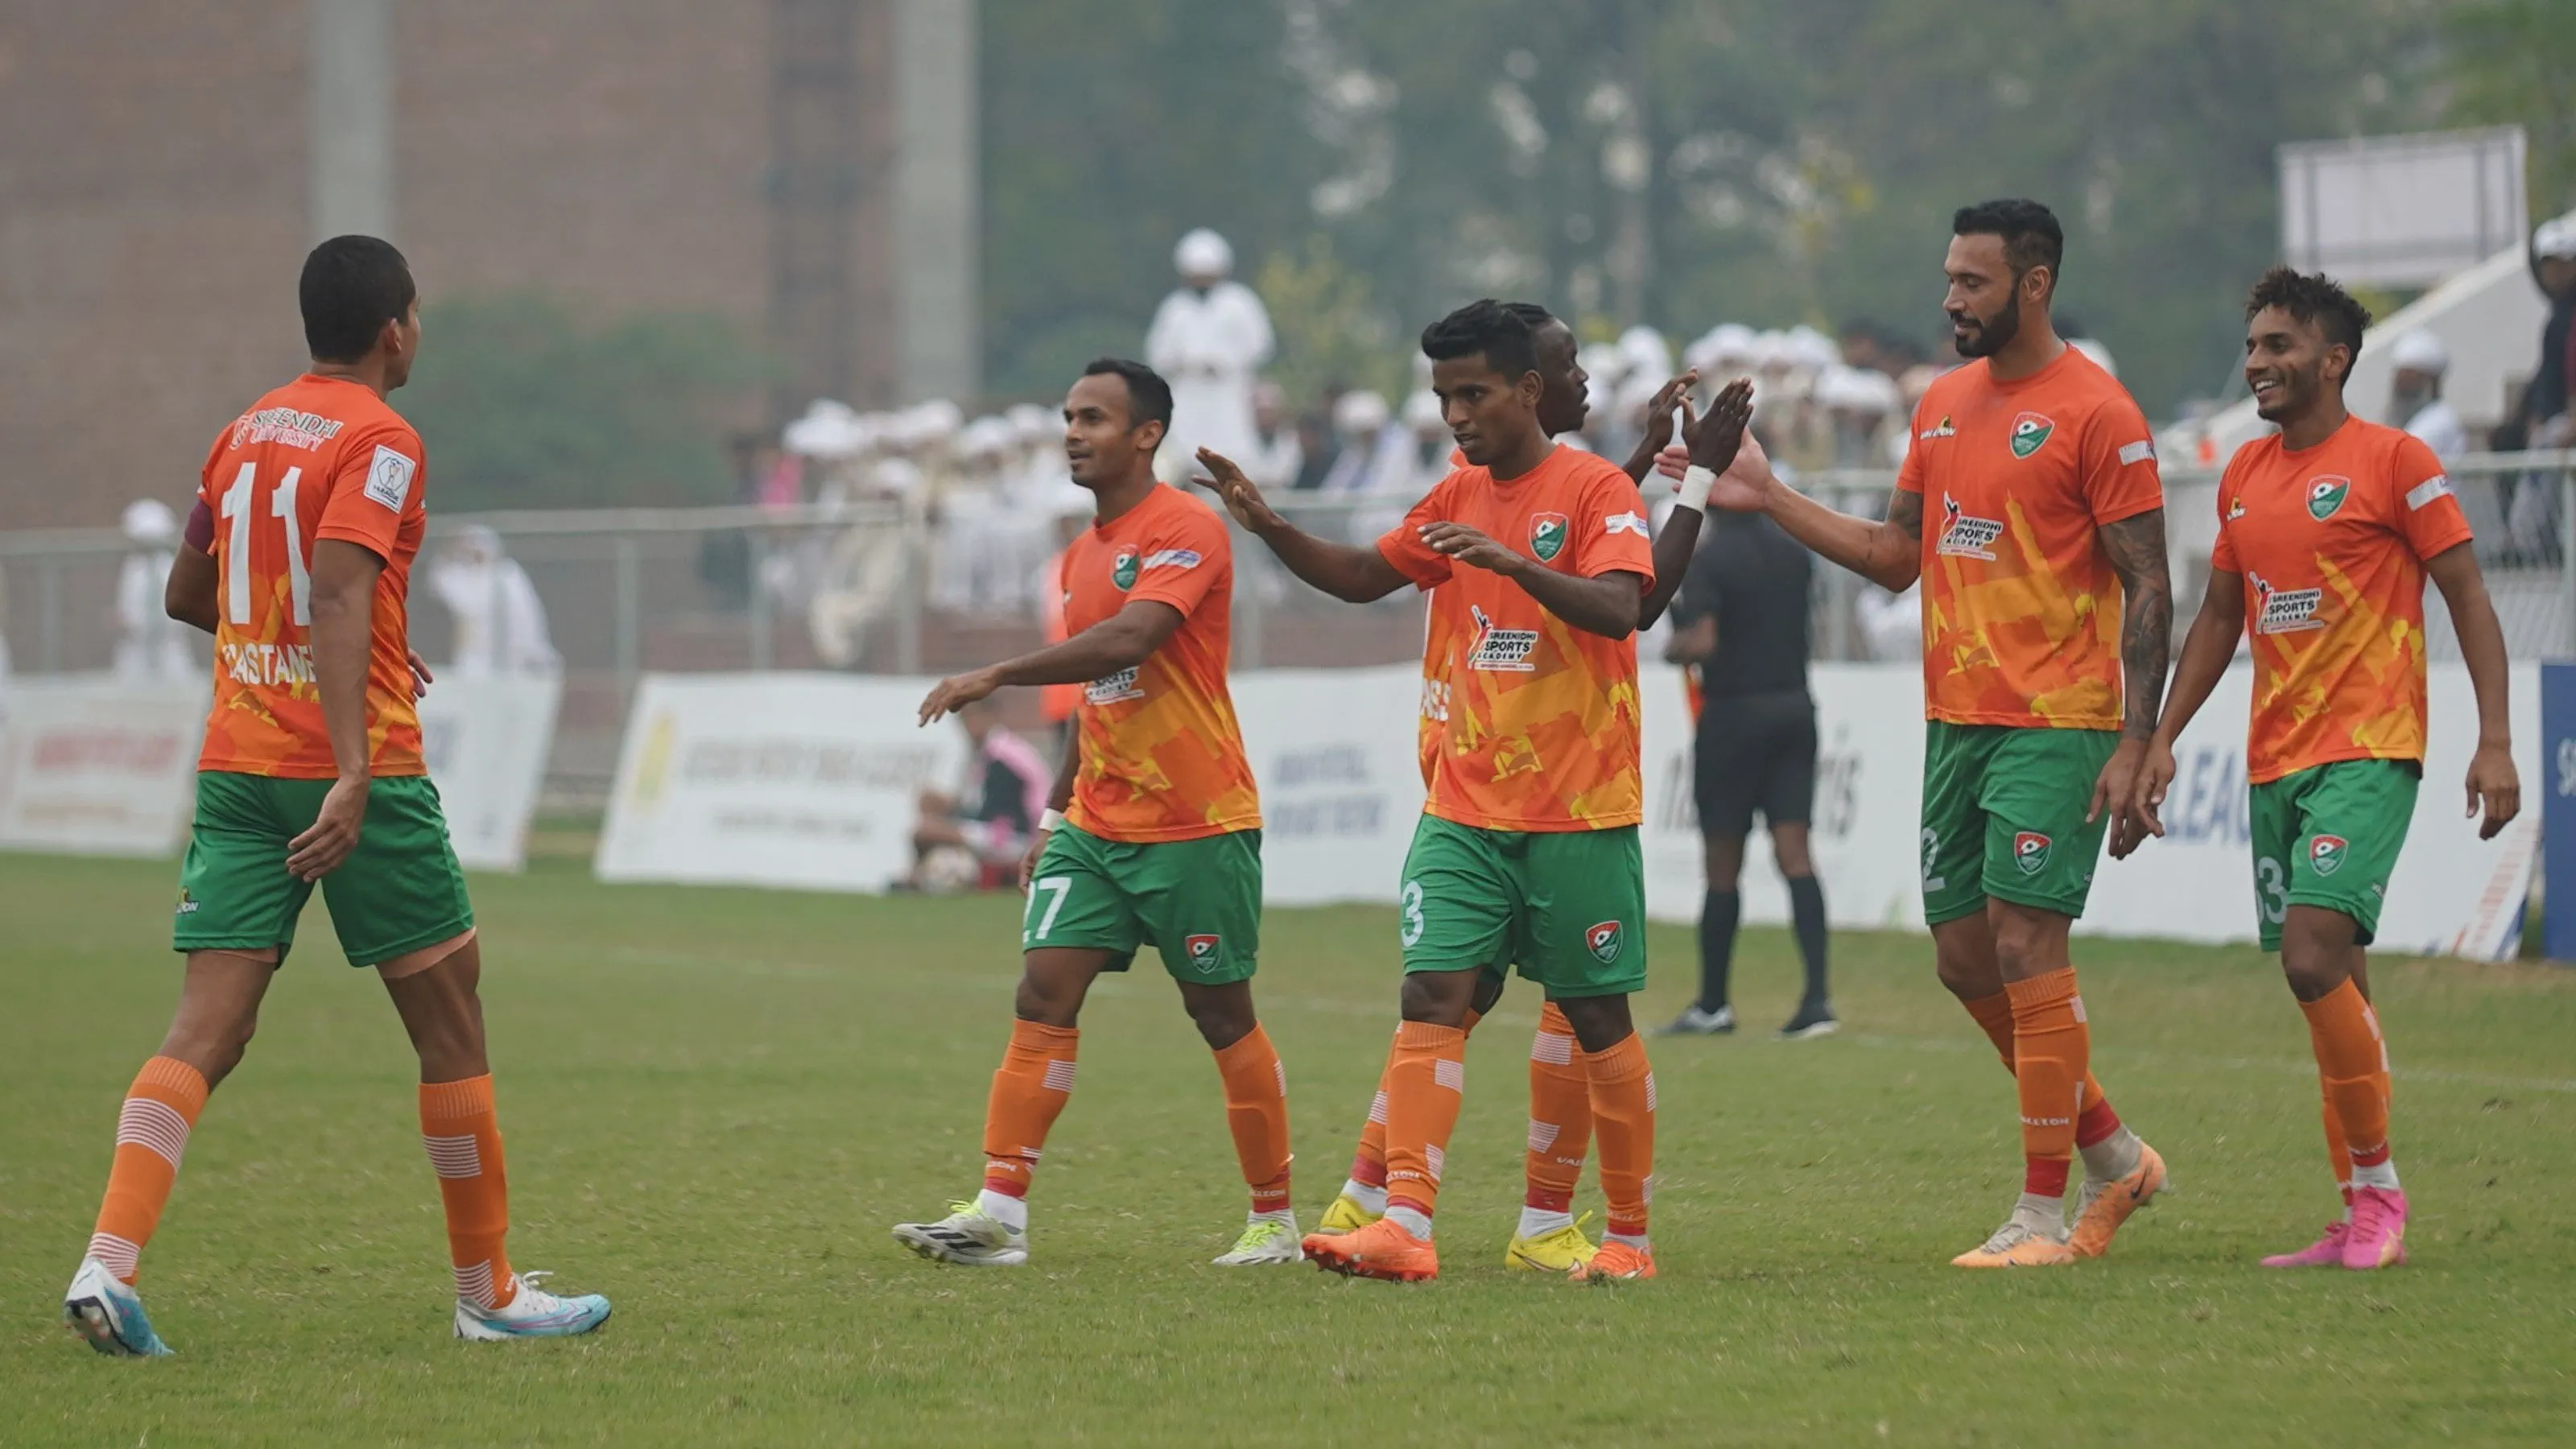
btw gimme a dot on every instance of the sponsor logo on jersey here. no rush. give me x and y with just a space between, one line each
1113 688
2326 853
2030 851
1172 558
1625 523
2326 496
1122 569
1603 939
1500 649
2284 611
1204 951
187 902
1942 429
2437 486
1547 535
389 478
2030 433
2236 508
1964 536
284 425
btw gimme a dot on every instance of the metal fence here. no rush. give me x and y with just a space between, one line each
897 588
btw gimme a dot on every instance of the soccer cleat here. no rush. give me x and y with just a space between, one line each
1345 1216
2108 1204
1382 1250
1560 1251
1264 1240
1814 1019
107 1314
532 1312
966 1236
2017 1246
2378 1236
1616 1262
2325 1252
1695 1022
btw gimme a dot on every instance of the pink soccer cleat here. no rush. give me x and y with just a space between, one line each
2378 1237
2325 1252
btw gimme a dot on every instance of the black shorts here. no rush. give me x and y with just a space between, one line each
1755 751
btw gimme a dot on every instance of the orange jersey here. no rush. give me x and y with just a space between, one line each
318 458
1162 756
2021 608
1530 723
2331 543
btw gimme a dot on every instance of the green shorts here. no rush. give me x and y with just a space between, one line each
2328 836
400 890
1199 901
2003 816
1567 907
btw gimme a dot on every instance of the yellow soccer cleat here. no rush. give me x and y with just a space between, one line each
2108 1205
1561 1251
1345 1216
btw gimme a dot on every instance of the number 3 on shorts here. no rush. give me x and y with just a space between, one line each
2272 890
1412 933
1055 887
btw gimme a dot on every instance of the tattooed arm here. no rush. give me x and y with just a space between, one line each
2136 545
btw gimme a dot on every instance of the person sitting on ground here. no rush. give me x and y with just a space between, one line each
975 837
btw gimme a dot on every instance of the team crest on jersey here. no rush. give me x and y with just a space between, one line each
1122 570
1205 951
1943 429
2326 496
2326 853
1964 536
1508 650
2030 851
2284 611
2030 433
1603 938
1547 535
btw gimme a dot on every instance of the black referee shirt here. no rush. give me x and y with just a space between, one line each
1753 578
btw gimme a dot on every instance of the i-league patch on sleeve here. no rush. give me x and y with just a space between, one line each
389 478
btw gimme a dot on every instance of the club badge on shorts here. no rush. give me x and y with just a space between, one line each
2030 851
2326 853
1603 938
1205 951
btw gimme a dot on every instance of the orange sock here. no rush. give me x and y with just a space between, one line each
2338 1152
2094 1119
151 1137
463 1135
2050 1046
2352 1063
1560 1116
1368 1163
1623 1114
1030 1088
1425 1082
1256 1110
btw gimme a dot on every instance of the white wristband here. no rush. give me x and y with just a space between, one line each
1050 819
1696 481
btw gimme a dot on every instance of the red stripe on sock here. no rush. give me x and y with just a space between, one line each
1549 1202
2096 1123
2045 1176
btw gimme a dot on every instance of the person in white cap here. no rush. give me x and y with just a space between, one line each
2415 400
150 645
1209 338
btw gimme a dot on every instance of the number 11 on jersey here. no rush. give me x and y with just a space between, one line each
237 512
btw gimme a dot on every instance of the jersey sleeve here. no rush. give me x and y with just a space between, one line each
2427 511
1181 559
1402 545
1909 472
2222 554
1609 528
2119 462
375 486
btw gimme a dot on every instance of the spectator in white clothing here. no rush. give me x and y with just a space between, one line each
1209 339
150 645
500 621
2415 400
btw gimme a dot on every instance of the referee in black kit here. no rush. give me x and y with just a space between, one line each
1742 619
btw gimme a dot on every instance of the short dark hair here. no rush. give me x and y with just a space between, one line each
351 287
1532 313
2032 237
2311 298
1149 398
1484 326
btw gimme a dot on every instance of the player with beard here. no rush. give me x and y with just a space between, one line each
2326 533
2045 607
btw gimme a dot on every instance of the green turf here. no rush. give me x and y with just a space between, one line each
716 1102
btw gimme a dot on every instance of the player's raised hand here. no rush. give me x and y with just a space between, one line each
1673 461
2139 819
1659 411
420 675
2495 784
1469 547
1241 497
1744 485
1720 436
956 692
334 832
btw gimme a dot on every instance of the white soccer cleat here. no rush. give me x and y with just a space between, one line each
532 1312
969 1236
1266 1239
107 1314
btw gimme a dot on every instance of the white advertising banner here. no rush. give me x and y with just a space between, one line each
96 766
1334 752
486 742
794 780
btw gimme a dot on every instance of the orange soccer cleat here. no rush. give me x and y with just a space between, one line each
2108 1205
1382 1250
1616 1262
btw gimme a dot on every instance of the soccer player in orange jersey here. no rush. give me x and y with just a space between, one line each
2045 607
1152 836
311 773
1527 853
2326 532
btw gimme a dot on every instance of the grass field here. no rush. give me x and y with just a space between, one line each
716 1102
